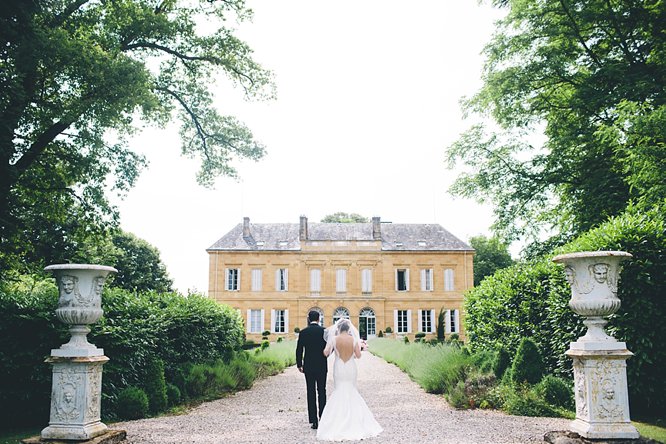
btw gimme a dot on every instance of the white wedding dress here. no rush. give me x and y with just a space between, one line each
346 415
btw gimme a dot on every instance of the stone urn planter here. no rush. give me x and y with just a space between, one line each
599 360
79 304
77 366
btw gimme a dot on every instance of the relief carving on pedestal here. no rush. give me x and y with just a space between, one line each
64 398
579 387
609 406
94 391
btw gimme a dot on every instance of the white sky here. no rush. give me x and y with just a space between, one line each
367 100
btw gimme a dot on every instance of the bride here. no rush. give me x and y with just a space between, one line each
346 415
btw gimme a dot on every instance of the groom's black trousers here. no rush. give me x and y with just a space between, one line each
315 380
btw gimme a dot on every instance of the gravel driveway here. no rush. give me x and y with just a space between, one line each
275 411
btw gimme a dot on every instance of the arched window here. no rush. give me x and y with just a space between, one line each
367 323
340 313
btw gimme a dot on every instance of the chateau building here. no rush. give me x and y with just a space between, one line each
377 274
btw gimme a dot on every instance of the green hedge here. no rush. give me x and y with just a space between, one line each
136 329
530 299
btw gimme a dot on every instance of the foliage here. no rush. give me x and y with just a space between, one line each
380 334
344 218
525 402
297 330
501 362
589 74
532 298
389 330
132 403
135 329
556 391
441 325
75 76
527 365
173 395
139 265
490 255
155 386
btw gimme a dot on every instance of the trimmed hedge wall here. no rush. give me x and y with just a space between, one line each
136 330
530 299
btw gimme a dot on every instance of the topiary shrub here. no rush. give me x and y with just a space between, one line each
297 330
155 386
388 330
380 334
132 403
406 339
265 345
527 364
556 391
279 339
501 362
418 337
265 333
173 395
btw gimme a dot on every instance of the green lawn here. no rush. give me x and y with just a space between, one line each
15 436
653 429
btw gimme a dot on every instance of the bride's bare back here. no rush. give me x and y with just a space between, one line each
344 343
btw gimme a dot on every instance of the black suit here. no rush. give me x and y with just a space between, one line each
314 366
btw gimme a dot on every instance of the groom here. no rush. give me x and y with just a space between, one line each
314 366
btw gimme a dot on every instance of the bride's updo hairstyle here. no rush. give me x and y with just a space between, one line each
344 326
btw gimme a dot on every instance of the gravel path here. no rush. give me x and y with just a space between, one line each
275 411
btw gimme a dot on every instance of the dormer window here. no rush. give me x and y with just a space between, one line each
398 244
422 243
283 243
260 243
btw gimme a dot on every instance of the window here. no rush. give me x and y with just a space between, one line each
255 321
426 279
340 313
281 279
452 321
448 279
402 279
315 281
403 321
232 279
341 280
427 321
279 321
422 243
256 279
366 281
367 323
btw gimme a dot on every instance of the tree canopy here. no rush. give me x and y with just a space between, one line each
341 217
139 265
591 74
75 75
490 255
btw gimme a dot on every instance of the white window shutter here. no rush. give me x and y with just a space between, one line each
419 320
277 280
238 282
396 280
407 279
423 280
226 278
447 322
395 321
286 279
261 328
409 321
272 321
430 280
249 321
457 318
432 321
286 321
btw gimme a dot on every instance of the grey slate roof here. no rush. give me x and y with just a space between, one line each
395 237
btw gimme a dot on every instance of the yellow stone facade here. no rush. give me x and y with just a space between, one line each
353 256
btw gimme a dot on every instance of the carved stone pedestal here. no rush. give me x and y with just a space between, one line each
76 398
602 402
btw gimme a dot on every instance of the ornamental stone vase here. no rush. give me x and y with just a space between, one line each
77 366
599 360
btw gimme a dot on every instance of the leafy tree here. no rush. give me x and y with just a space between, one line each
344 218
490 255
74 76
591 73
139 265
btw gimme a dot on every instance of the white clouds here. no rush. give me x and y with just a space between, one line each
368 97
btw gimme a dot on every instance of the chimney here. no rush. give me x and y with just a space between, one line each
246 227
376 228
303 231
